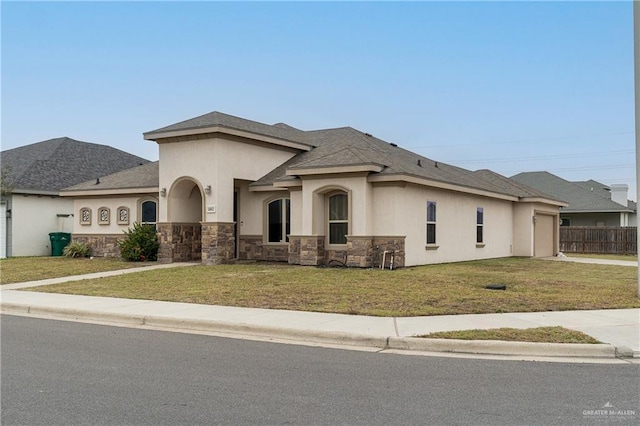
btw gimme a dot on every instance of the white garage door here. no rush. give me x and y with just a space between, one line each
543 238
3 231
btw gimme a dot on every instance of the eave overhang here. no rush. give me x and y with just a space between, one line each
109 191
328 170
218 130
438 184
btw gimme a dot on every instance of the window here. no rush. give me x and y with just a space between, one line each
479 225
565 221
85 216
149 212
123 215
278 221
104 216
338 218
431 222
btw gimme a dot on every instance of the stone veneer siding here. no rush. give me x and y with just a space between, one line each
218 243
252 247
360 252
179 242
101 245
393 244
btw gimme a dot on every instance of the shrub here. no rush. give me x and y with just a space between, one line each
76 249
140 243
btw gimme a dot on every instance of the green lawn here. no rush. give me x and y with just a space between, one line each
21 269
456 288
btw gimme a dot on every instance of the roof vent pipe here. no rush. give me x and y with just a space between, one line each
97 181
419 163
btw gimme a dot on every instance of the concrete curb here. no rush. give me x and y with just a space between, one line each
498 347
483 347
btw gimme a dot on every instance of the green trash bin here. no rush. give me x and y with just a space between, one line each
59 241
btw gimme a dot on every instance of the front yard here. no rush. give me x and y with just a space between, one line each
21 269
457 288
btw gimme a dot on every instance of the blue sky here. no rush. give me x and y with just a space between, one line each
509 86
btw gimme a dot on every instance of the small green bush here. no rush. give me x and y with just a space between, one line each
140 243
76 249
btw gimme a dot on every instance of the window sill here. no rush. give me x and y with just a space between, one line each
283 243
431 247
480 245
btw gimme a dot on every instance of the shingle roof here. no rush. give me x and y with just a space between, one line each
145 176
348 146
58 163
580 198
217 119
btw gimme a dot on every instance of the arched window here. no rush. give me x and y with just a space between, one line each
104 216
338 218
85 216
149 212
278 220
123 215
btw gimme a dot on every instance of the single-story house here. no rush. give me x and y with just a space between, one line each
231 188
32 177
590 203
227 188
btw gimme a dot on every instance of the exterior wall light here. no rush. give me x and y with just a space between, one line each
163 192
207 189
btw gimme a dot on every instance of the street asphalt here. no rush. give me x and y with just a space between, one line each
617 329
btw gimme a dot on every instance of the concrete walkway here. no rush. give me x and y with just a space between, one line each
633 263
618 329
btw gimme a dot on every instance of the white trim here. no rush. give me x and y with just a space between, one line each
155 136
122 191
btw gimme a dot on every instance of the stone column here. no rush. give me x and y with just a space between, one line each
312 250
294 250
165 237
218 242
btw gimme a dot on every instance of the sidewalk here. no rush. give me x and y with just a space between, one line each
618 329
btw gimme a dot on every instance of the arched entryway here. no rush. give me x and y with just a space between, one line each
181 236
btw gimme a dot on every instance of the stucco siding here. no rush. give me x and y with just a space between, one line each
360 203
112 203
217 163
403 211
33 218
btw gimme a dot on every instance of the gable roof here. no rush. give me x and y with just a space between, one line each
145 177
579 195
51 165
216 121
346 146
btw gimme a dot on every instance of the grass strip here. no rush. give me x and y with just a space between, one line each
538 335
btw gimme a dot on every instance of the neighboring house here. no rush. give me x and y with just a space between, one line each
105 208
232 188
591 203
34 175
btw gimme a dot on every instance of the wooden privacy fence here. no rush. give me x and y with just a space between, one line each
599 239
